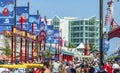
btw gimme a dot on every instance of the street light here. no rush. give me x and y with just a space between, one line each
101 30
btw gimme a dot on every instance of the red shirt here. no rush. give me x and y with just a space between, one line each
109 69
37 71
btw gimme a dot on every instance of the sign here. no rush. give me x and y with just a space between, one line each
22 12
6 12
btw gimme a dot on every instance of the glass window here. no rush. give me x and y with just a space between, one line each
86 34
81 34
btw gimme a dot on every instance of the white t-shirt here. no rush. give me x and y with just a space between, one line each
115 66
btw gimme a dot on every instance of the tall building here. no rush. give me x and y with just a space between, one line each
76 30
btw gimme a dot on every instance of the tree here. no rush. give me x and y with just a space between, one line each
71 45
91 46
47 54
36 50
6 50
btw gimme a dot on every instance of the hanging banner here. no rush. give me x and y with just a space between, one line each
50 33
3 28
56 36
42 26
34 19
6 12
22 12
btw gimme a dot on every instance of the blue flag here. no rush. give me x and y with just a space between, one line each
41 25
106 45
35 20
56 36
6 12
2 28
22 12
49 32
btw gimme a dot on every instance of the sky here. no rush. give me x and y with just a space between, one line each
73 8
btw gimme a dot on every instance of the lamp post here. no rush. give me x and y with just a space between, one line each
101 30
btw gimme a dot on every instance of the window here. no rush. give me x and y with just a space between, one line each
86 35
81 34
86 23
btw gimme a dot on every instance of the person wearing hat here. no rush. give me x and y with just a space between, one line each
101 66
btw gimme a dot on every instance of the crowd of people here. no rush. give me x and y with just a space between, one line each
84 66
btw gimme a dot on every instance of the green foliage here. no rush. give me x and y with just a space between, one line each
71 45
36 48
91 46
47 54
7 51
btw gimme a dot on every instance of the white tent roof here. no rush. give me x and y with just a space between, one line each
81 45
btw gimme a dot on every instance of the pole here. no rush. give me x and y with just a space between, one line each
12 46
32 43
21 24
26 48
28 30
101 31
15 25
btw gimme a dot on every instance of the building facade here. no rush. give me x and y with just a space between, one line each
76 30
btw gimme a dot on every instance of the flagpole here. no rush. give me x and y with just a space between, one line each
14 39
28 30
111 15
101 31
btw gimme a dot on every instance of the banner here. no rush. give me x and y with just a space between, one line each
41 25
49 32
106 45
2 28
22 12
6 12
56 36
35 20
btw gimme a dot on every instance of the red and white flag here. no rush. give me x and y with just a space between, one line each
106 19
112 24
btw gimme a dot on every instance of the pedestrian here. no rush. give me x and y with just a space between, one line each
101 66
62 69
47 67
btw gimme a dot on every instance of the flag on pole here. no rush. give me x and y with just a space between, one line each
60 31
56 35
112 24
49 32
6 12
106 19
22 12
34 19
45 21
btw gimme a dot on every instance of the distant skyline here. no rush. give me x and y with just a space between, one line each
72 8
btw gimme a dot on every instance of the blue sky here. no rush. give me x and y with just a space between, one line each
74 8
